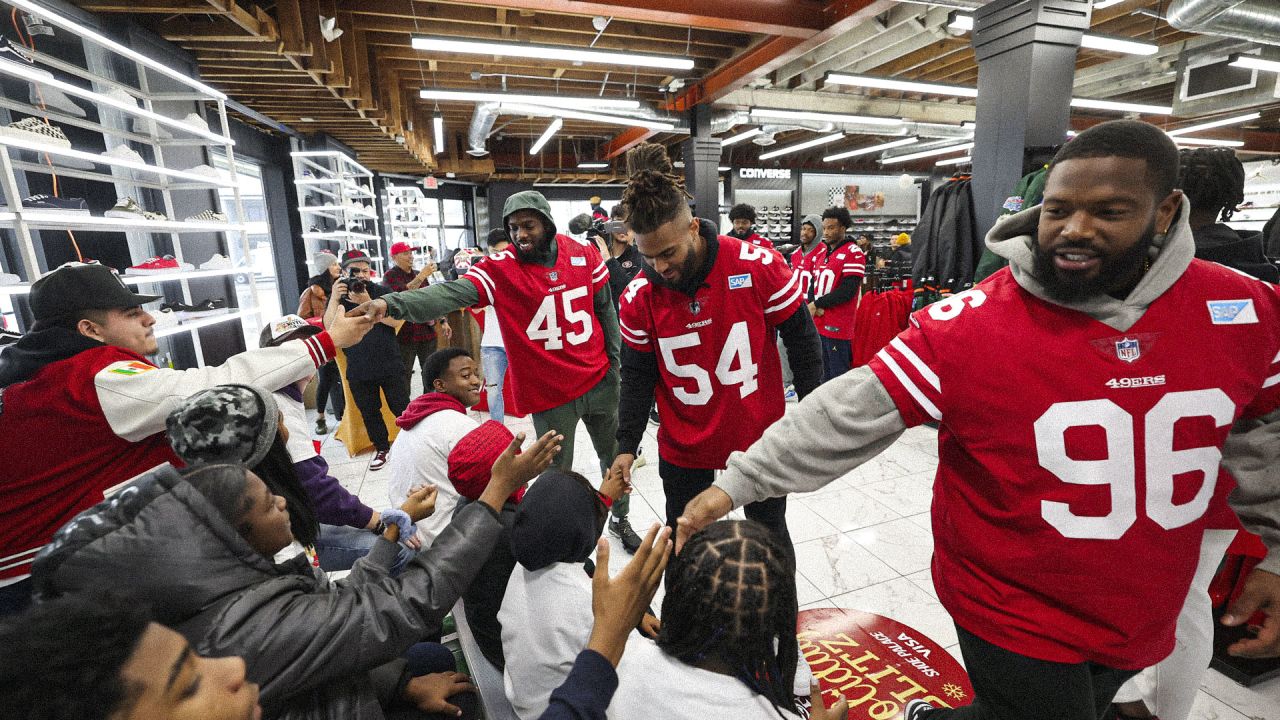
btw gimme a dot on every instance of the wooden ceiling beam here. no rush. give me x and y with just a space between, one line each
289 20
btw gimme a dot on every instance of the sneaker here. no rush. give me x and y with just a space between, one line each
33 129
50 204
145 126
157 265
322 428
201 309
9 279
790 394
122 97
621 527
129 209
124 152
208 216
165 318
196 122
51 98
917 710
204 171
379 460
15 53
217 262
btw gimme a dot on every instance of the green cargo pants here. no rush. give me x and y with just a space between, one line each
598 410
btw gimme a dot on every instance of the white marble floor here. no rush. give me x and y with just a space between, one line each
862 542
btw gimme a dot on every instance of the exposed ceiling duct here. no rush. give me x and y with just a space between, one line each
481 125
1254 20
486 114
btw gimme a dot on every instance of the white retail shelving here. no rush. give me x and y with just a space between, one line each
335 199
126 116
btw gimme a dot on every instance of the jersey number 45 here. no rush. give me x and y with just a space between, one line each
545 326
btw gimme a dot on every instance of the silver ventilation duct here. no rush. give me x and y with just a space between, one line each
1253 20
481 125
487 113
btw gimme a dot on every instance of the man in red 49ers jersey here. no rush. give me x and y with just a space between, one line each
1091 399
559 324
698 325
837 267
802 257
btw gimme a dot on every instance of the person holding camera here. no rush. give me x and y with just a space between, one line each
374 367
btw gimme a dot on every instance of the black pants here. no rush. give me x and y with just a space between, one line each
682 484
1009 686
415 351
330 388
837 357
369 401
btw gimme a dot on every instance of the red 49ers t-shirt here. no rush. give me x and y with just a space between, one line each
802 263
720 379
555 348
830 268
1078 464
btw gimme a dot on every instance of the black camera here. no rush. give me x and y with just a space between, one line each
355 283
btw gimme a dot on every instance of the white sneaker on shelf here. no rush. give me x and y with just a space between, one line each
119 95
51 97
144 126
35 130
9 279
129 208
124 152
205 170
217 262
208 216
164 319
196 122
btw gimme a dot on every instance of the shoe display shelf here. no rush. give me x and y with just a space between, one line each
336 201
413 219
126 120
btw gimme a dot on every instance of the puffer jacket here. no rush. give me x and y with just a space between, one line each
318 651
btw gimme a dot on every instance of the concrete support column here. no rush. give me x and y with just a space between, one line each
702 163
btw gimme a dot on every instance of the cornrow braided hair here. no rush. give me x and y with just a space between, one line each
1212 178
730 598
655 195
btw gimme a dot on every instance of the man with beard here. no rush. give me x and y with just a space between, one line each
743 217
698 326
1097 400
838 266
558 323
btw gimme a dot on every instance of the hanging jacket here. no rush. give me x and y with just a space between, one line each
1029 192
311 646
1236 249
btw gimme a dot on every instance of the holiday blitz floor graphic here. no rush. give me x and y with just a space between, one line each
878 664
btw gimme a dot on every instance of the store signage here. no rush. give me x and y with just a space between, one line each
765 173
430 182
878 664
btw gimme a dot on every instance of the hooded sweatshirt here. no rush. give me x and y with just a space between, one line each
1237 249
311 646
546 611
430 427
1014 563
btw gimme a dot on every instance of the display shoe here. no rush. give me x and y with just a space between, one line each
158 265
14 53
144 126
35 130
51 204
208 216
50 97
165 318
217 262
124 152
205 171
9 279
122 97
195 121
129 209
205 307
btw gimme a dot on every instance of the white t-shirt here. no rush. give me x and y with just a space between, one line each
546 621
652 684
295 421
492 333
421 455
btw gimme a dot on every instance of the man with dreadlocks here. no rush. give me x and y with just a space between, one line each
1213 180
1097 401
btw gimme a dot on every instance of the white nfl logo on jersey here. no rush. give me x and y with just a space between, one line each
1128 349
1232 312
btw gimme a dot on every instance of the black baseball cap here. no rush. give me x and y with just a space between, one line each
78 286
354 256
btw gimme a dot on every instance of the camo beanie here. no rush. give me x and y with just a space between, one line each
225 424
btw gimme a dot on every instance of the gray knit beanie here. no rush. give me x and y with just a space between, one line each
321 261
224 424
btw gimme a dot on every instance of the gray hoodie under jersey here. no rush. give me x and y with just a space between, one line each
851 419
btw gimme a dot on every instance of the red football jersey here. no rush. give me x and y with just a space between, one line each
1079 465
757 239
720 380
548 320
830 268
802 264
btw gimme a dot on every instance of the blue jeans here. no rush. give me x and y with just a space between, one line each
340 546
493 363
837 357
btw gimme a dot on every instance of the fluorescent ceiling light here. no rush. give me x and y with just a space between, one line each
552 100
745 135
1102 4
724 168
815 142
1121 106
961 23
871 149
927 153
955 161
822 117
1115 44
895 84
552 129
592 165
544 110
549 52
1255 63
1208 141
1215 123
437 124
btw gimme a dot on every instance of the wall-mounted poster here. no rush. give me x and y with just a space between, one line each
860 194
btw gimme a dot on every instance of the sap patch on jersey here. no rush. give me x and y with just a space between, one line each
737 282
1232 312
580 261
